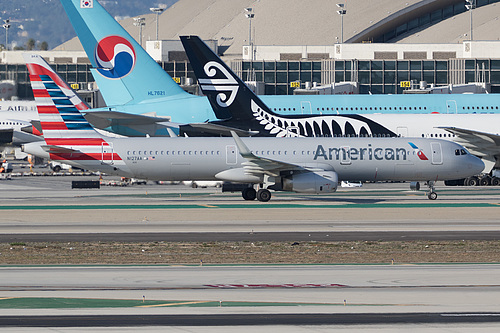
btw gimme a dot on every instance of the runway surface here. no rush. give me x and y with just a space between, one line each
249 295
460 297
47 207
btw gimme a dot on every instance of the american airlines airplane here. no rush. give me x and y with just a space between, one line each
132 84
304 165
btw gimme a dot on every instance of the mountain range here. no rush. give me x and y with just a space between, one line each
46 21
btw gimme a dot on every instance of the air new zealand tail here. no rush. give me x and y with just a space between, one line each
242 109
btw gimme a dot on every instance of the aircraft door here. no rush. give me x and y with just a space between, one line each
305 107
231 155
107 153
451 106
437 154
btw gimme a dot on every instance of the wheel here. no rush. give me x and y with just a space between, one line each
249 193
263 195
471 181
432 196
194 185
57 168
485 181
495 181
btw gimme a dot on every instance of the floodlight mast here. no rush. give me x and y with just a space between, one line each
341 12
250 15
470 5
139 22
157 11
6 26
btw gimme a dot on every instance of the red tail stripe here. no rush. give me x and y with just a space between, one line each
40 93
47 109
53 126
35 78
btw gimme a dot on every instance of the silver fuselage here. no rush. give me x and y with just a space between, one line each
360 159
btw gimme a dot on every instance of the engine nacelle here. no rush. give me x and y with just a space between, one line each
238 175
311 182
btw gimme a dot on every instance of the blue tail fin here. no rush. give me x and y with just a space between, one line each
123 70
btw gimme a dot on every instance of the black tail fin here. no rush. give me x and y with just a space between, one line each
229 96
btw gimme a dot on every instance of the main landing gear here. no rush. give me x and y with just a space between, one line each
263 195
432 195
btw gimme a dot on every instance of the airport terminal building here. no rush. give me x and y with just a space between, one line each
378 46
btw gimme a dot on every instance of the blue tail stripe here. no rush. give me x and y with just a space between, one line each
79 126
62 102
56 93
73 117
45 78
50 85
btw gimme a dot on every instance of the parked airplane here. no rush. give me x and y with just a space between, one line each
304 165
227 93
15 124
132 83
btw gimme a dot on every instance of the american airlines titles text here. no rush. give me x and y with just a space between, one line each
363 154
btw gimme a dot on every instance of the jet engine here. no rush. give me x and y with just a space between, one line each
311 182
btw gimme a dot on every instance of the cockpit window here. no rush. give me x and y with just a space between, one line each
457 152
463 152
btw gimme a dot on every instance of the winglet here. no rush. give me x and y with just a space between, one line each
243 149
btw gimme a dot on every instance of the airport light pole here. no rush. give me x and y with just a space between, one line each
6 25
341 12
139 22
250 15
157 11
470 5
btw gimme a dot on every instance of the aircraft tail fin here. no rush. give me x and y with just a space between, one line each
229 96
123 70
62 123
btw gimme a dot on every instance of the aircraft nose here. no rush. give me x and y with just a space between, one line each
475 165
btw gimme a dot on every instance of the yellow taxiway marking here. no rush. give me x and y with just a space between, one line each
2 298
171 304
209 206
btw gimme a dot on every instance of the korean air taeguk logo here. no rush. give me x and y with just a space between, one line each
115 57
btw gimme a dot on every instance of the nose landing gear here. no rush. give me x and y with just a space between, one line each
432 195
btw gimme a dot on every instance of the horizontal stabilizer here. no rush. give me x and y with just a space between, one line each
104 119
58 150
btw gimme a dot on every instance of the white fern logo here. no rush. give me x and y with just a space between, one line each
312 126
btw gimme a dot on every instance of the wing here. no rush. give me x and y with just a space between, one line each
201 129
478 143
259 166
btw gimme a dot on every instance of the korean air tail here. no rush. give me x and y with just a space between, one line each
68 135
123 70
